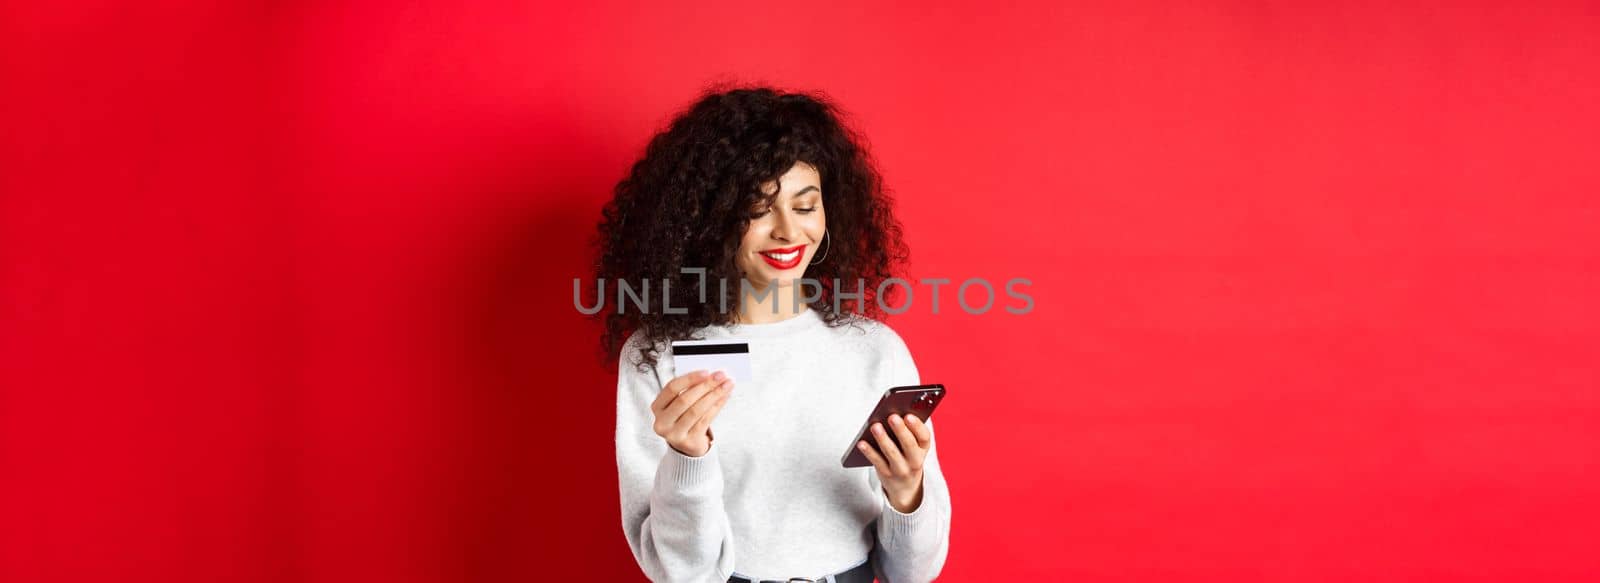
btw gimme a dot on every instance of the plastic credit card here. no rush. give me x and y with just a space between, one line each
730 355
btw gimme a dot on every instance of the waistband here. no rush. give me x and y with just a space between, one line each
860 573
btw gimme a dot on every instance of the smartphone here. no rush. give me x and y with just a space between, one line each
919 400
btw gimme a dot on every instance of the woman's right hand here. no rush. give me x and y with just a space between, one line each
685 408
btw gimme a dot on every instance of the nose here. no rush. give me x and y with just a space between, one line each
783 230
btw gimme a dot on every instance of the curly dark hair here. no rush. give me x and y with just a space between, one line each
686 203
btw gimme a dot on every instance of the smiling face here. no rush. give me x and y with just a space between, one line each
783 237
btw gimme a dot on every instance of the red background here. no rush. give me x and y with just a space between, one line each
286 286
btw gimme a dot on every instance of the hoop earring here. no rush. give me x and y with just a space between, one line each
825 239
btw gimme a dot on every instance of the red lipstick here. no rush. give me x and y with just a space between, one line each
770 256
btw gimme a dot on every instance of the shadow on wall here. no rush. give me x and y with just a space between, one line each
536 495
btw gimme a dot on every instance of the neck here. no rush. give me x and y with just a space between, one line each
772 303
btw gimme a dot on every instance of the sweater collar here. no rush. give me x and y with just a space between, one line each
805 320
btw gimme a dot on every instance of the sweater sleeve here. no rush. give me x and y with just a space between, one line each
911 547
672 512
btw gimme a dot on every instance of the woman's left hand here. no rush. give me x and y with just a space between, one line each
900 467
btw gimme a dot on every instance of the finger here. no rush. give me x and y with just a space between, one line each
908 442
702 406
705 419
674 387
891 452
920 429
872 456
690 396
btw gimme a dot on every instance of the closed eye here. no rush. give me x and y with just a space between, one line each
762 213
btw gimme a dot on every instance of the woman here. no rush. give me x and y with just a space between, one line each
721 483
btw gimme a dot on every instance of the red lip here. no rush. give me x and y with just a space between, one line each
798 250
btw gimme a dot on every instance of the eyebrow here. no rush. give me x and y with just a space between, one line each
771 198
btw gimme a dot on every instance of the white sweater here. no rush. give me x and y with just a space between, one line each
770 499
